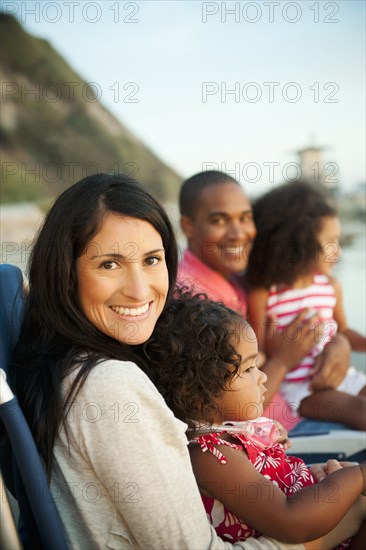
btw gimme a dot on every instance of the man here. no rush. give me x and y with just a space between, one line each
217 220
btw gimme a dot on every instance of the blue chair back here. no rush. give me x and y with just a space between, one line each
12 305
22 468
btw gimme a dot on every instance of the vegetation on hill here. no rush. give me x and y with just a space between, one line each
53 130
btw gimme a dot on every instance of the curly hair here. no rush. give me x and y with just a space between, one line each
192 356
288 219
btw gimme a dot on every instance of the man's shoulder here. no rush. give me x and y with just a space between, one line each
196 275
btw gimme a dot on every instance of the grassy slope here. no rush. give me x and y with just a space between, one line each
46 145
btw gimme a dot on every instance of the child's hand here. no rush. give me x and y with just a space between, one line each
321 471
283 437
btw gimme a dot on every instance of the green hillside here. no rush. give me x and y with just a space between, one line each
56 135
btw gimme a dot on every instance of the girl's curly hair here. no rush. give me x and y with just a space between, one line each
288 219
192 356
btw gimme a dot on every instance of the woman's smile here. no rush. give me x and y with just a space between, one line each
132 311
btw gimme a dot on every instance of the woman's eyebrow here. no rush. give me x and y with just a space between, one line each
157 250
109 255
115 256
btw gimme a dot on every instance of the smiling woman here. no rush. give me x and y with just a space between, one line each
102 272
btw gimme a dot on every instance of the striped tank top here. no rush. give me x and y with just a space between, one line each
285 303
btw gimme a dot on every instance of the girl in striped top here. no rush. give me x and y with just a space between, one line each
289 272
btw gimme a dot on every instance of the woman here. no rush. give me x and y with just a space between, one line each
101 272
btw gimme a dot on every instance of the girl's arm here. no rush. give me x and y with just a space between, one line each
304 516
357 341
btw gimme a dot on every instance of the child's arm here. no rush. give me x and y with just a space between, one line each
357 341
306 515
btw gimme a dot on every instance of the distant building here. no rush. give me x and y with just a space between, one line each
315 171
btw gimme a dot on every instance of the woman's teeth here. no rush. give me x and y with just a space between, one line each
130 311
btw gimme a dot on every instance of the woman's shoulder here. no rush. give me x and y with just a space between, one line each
118 369
121 386
111 376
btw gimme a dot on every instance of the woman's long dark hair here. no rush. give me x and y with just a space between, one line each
55 332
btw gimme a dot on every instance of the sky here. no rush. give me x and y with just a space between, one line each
236 86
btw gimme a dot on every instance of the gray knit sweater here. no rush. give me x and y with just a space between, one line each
125 479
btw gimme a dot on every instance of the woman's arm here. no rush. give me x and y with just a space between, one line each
304 516
139 447
357 340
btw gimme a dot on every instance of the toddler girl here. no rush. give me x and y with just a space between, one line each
290 265
207 373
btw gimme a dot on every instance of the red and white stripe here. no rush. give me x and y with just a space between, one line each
286 303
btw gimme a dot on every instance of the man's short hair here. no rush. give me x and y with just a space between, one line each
192 188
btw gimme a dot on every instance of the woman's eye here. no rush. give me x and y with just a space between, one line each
109 265
152 260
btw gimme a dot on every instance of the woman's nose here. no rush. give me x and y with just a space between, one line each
135 284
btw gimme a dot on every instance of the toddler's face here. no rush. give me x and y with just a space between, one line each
243 399
328 238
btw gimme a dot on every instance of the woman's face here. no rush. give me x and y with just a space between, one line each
123 279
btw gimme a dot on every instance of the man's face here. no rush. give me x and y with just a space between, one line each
222 230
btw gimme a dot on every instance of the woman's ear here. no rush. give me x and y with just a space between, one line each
187 226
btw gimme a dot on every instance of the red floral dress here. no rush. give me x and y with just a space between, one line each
289 473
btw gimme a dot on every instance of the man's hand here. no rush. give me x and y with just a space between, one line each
331 366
